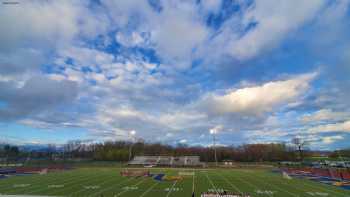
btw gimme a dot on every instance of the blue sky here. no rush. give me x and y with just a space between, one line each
255 71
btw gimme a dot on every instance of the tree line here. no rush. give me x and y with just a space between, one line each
122 150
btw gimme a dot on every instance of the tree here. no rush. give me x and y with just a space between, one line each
300 144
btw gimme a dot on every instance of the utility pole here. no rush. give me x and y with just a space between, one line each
216 159
132 136
213 132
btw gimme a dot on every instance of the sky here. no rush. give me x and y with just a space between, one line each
256 71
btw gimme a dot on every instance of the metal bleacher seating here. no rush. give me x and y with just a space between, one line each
166 161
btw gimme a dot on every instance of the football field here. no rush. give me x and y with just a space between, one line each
108 182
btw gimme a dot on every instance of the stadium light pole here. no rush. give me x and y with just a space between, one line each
213 132
132 134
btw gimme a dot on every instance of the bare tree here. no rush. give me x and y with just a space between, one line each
300 144
51 150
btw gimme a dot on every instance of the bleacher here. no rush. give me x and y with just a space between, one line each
180 161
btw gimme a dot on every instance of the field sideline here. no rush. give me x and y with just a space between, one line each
108 182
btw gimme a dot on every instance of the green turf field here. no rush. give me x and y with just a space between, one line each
108 182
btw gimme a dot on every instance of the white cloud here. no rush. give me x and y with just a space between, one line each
174 32
183 141
275 20
74 75
324 115
57 77
121 90
47 23
259 28
124 12
178 31
181 120
211 5
258 99
132 39
336 127
332 139
86 56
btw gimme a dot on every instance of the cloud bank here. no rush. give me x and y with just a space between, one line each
173 70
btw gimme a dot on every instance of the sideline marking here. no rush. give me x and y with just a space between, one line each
171 189
149 189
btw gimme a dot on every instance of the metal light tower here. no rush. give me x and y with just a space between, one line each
132 134
213 132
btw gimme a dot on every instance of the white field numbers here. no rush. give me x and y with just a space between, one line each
55 186
317 194
265 192
130 188
21 185
91 187
174 189
219 190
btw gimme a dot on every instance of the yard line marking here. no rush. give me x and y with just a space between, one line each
303 189
290 185
211 182
296 188
149 189
325 189
272 185
73 183
247 182
37 179
171 189
107 180
193 182
238 177
99 184
53 180
232 185
34 186
108 188
122 192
